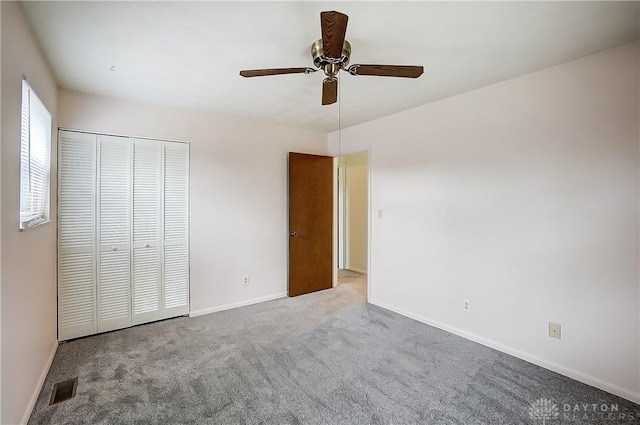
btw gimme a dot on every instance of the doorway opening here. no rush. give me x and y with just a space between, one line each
352 223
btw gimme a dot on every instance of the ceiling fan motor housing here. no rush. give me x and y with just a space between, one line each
320 60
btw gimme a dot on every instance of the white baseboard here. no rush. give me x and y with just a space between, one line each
574 374
36 391
237 304
354 269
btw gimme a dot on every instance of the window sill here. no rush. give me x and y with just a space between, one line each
34 225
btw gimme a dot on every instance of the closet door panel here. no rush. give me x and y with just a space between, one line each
76 235
146 277
176 230
176 192
114 291
176 279
76 295
114 232
147 230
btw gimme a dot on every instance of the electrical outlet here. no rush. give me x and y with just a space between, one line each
466 305
554 330
245 280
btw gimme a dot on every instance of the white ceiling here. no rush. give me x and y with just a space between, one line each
189 53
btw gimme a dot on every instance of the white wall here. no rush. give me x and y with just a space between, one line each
523 198
356 188
28 258
238 190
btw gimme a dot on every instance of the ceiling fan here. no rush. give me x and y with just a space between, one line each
331 54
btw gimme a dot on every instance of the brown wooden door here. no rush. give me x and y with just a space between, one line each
310 223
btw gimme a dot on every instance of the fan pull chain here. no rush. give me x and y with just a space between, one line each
339 117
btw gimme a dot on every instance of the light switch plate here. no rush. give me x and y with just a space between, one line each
380 214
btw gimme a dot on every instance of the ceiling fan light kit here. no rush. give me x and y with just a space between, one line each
331 53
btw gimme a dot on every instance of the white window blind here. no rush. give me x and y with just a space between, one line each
35 162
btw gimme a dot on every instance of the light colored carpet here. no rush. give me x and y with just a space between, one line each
359 279
324 358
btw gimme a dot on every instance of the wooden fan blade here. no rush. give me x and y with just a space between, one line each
329 91
334 29
387 70
275 71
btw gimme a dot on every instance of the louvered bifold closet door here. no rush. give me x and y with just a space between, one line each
114 232
147 230
175 295
76 235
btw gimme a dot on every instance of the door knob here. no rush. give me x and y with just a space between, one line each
115 248
147 246
293 234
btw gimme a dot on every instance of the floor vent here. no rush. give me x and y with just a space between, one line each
63 391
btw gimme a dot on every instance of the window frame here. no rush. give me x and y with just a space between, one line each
35 203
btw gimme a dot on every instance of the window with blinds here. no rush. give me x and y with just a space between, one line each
35 162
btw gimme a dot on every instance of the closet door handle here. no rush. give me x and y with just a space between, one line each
115 248
147 246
